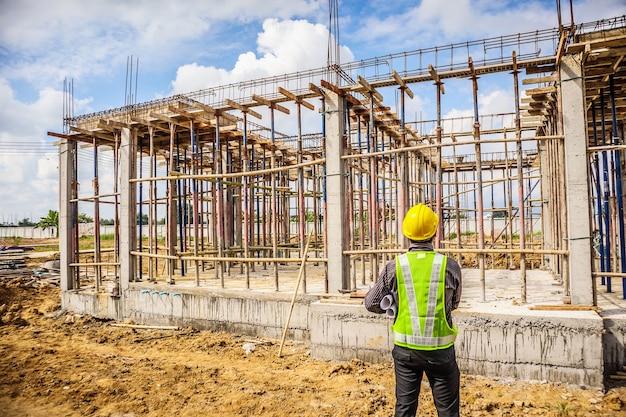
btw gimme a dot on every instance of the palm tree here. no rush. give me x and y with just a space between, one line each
50 221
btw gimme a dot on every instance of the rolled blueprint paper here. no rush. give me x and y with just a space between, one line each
389 305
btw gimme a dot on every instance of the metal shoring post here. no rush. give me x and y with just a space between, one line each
491 220
315 209
509 195
529 203
167 224
263 217
373 193
479 187
256 213
561 216
605 197
403 186
227 209
194 191
254 202
151 205
274 206
245 200
140 210
324 196
520 183
383 191
202 213
618 186
301 204
439 172
155 204
219 201
179 197
96 218
171 209
213 216
361 206
456 199
116 218
349 207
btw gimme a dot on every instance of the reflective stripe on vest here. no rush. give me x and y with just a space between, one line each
428 340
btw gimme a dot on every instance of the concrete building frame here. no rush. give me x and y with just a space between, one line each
240 202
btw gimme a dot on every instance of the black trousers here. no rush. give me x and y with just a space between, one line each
443 375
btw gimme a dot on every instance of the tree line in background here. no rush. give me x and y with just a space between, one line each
52 220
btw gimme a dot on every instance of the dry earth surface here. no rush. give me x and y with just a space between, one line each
57 363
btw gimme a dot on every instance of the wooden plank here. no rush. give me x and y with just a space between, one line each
340 301
540 91
59 135
402 84
99 135
149 123
433 73
539 80
243 108
533 119
204 107
597 44
540 69
185 113
141 326
564 307
316 89
167 119
367 86
270 104
349 97
295 98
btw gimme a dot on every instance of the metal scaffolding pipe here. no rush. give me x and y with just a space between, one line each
605 197
479 187
621 238
520 182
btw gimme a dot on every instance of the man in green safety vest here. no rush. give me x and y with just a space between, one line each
420 289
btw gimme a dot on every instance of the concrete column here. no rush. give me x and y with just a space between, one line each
128 207
576 180
338 264
67 227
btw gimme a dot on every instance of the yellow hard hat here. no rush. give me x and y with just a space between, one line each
420 223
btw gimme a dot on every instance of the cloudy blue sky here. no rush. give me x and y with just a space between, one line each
184 46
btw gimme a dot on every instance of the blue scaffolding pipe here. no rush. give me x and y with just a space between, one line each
618 187
598 193
605 196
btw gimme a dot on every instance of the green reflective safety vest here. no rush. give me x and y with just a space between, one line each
421 320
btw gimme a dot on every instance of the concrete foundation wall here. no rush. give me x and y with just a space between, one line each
534 348
236 312
568 347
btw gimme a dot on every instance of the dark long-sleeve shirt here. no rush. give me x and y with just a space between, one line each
387 283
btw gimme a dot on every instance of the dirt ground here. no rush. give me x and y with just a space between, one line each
56 363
